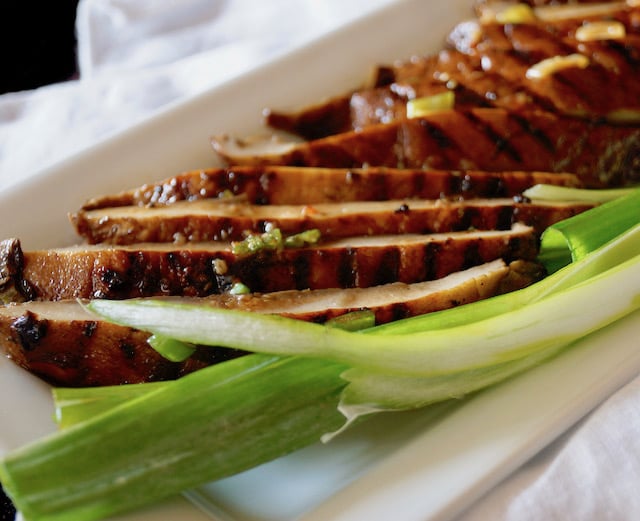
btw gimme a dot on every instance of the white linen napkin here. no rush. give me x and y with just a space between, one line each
136 56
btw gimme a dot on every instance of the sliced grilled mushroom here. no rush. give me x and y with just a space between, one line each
300 185
482 139
203 221
65 345
201 269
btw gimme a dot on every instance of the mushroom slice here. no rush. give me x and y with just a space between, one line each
200 269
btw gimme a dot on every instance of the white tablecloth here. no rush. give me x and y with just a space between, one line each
137 55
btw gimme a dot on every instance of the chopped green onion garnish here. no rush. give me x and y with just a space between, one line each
426 105
301 239
354 321
239 289
170 348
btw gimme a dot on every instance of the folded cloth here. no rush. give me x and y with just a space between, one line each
138 56
591 473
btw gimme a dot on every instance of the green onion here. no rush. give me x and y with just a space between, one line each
210 424
544 192
298 240
419 107
374 392
170 348
273 239
77 404
353 321
239 288
74 405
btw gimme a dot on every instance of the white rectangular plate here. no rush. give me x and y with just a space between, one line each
423 465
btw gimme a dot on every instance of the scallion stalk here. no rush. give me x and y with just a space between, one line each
543 192
210 424
77 404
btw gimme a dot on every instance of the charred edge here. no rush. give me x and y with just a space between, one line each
12 269
502 143
30 330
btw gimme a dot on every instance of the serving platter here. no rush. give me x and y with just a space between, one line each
427 465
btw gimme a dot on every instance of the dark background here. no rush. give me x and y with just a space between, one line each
7 512
38 43
38 46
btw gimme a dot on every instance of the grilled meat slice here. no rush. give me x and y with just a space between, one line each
65 345
198 221
487 65
204 269
482 139
300 185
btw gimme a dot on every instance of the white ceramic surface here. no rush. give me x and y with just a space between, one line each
423 465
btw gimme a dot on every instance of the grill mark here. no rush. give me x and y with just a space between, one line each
347 268
502 143
442 139
629 54
399 310
505 218
514 245
30 330
431 251
467 218
389 267
576 90
535 132
472 255
301 272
